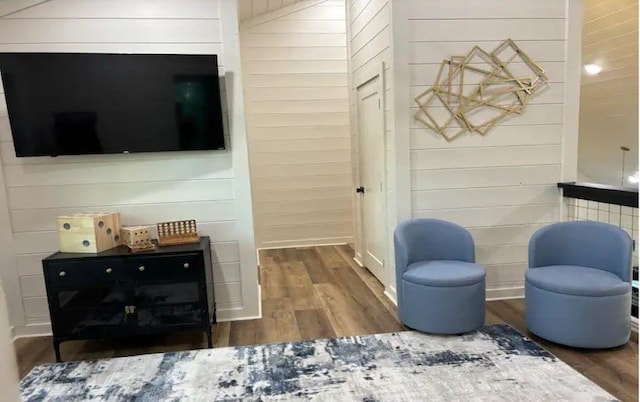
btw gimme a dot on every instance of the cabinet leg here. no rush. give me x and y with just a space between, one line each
56 349
209 338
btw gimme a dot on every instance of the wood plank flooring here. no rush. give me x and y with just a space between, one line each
319 292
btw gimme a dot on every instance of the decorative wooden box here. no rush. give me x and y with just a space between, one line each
89 233
177 232
137 238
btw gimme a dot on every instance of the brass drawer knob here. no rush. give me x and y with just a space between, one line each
186 265
141 268
109 270
62 273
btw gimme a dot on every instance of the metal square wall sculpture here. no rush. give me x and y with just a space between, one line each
473 93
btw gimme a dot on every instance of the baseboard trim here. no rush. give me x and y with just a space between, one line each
32 330
330 241
391 293
491 294
234 315
357 261
505 293
237 313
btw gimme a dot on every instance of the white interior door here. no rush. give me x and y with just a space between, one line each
371 188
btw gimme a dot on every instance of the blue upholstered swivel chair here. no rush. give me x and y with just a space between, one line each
440 288
578 286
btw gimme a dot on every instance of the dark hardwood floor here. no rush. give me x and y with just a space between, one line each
319 292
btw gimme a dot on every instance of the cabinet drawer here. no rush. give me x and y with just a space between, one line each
185 267
73 273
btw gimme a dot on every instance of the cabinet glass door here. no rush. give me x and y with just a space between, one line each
94 309
161 305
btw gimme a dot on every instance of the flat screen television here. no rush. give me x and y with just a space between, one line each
90 103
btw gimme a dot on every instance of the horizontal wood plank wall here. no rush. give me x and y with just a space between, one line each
145 188
610 98
296 92
503 186
370 45
248 9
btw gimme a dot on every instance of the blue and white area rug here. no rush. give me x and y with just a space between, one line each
495 363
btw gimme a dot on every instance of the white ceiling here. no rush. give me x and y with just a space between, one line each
248 9
609 100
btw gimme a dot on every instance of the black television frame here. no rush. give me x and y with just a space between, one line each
220 132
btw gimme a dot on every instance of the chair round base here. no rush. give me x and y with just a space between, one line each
594 322
442 310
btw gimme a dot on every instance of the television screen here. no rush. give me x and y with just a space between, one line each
88 103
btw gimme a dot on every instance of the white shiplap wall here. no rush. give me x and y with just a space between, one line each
609 100
248 9
503 186
145 188
295 74
369 45
9 379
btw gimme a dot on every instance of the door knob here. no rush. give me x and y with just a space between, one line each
141 268
186 265
109 270
62 273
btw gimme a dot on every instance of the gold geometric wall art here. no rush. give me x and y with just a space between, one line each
473 93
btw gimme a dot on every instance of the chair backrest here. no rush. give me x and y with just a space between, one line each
583 243
433 239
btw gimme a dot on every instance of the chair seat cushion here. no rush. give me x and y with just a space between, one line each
577 281
444 273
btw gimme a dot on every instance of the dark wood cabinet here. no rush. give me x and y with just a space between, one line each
119 294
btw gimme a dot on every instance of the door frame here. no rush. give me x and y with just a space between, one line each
373 72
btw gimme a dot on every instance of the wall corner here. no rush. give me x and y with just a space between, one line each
401 107
573 69
240 157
